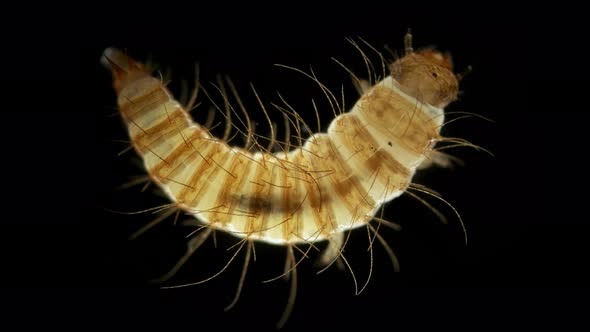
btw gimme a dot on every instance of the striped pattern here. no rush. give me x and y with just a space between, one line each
335 182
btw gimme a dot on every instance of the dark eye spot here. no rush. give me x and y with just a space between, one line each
435 75
389 143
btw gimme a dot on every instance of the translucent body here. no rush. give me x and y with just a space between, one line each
332 183
335 182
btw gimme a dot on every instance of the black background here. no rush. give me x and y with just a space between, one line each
68 260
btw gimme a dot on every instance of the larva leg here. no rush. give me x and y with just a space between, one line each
439 159
361 85
333 249
364 86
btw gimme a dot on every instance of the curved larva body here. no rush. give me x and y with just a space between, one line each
332 183
335 182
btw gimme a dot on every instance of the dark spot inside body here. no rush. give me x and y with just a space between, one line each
435 75
258 205
389 143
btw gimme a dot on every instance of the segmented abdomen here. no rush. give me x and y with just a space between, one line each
334 182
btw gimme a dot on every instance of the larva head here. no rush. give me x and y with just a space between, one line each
123 68
427 76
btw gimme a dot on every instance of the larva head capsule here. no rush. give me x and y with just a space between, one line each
427 76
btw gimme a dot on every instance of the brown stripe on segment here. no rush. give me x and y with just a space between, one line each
178 169
285 198
375 157
391 174
259 201
285 189
382 159
299 197
355 138
399 118
167 175
217 165
240 167
326 219
379 163
186 144
143 101
319 197
345 183
312 188
144 150
414 136
167 122
390 106
205 164
273 194
153 142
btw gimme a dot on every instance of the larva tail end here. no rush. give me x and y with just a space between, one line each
123 67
